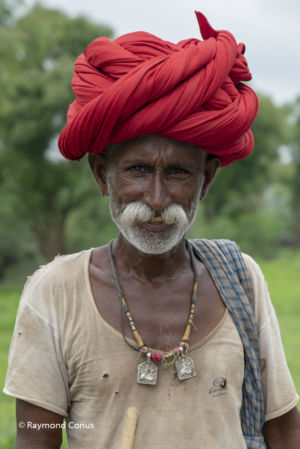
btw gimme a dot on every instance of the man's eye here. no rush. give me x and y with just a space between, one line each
177 171
137 168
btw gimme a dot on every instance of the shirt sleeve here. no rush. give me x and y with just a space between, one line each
278 387
36 371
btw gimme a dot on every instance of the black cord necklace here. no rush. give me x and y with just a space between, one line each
147 371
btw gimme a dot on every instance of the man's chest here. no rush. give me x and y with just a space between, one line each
160 311
103 372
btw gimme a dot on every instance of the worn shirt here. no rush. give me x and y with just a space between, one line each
66 358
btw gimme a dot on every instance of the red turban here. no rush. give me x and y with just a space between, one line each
139 84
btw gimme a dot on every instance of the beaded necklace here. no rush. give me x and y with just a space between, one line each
147 371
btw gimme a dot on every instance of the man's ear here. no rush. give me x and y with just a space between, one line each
212 163
98 164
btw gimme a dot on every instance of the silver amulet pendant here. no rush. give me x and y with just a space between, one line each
147 372
185 368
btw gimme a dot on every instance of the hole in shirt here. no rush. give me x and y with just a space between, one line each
224 383
105 376
262 365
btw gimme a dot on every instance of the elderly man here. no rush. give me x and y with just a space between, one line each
183 330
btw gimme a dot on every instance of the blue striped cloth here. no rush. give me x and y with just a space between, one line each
226 266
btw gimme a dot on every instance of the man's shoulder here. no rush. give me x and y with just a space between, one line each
252 266
232 253
63 272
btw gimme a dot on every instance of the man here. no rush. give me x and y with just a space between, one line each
184 331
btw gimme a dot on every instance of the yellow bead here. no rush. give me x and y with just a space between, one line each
138 338
187 333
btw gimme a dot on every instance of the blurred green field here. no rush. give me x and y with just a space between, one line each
282 274
283 277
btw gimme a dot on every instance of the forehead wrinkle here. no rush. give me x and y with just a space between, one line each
150 152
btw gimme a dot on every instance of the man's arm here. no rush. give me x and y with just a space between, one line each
30 433
284 431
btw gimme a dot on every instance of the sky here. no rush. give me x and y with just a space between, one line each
269 28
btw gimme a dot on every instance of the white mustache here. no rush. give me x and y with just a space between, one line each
138 211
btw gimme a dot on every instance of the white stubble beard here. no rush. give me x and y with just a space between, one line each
128 219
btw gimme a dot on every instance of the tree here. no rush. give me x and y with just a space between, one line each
240 186
295 178
249 200
38 52
7 10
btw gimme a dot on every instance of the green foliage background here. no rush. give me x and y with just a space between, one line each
51 206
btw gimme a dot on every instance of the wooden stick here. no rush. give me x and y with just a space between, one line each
129 428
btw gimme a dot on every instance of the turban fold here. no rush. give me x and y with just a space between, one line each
139 84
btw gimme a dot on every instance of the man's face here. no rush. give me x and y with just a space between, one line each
154 185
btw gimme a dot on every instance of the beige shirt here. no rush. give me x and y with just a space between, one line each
66 358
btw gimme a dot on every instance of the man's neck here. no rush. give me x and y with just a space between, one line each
150 267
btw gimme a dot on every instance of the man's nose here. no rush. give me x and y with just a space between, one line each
157 195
